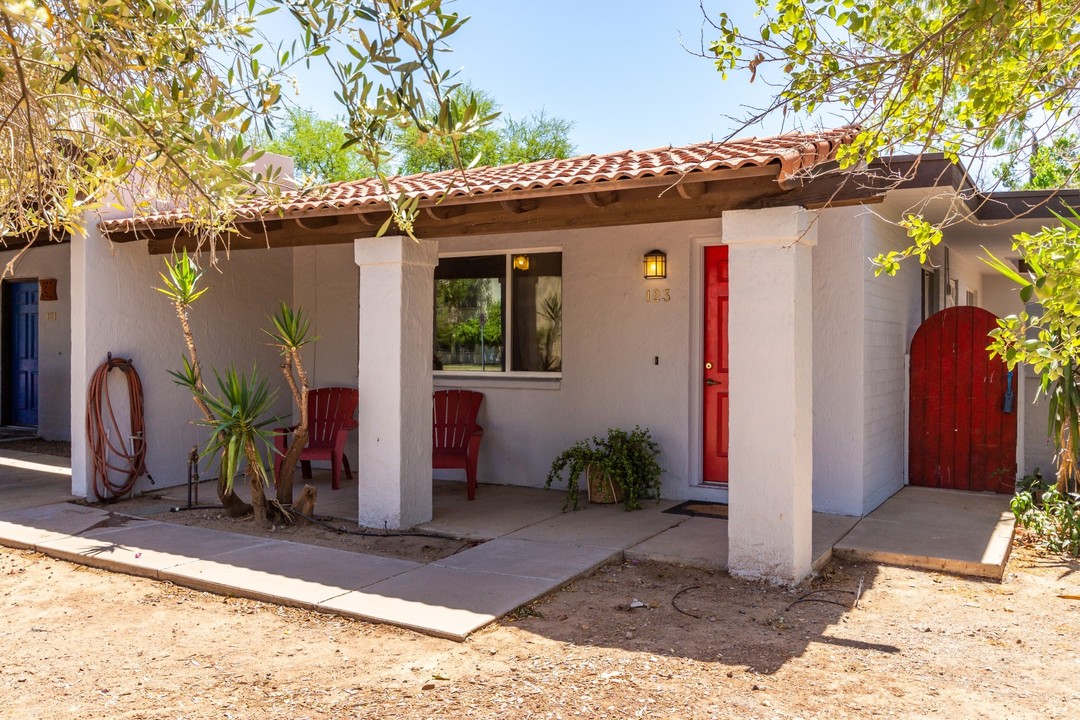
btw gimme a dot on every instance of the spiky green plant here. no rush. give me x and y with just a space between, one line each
240 418
181 285
290 333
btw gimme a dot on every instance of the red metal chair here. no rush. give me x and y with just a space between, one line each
455 435
330 418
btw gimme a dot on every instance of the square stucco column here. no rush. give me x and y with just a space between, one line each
770 461
397 291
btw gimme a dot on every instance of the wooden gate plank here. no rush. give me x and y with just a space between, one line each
948 401
963 384
932 435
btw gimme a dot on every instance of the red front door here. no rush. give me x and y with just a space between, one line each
962 432
715 465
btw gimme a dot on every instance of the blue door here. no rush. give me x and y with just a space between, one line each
21 341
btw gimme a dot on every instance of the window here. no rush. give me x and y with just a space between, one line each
499 313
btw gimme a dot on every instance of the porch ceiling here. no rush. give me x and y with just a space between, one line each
630 204
974 221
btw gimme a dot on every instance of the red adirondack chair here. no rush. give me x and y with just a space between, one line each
455 436
330 418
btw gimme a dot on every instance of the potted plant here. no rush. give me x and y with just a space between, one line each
620 467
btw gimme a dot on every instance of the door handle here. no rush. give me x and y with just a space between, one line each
710 382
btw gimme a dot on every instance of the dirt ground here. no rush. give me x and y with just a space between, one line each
83 643
59 448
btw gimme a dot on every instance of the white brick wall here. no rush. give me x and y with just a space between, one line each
838 362
893 308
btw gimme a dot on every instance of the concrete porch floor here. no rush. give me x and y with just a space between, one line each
536 514
531 547
966 533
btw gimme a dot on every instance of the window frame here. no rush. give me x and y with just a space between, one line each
508 331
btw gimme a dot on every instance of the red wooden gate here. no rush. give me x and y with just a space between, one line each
962 431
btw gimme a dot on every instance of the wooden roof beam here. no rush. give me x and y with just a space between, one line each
601 199
319 222
517 207
440 212
691 190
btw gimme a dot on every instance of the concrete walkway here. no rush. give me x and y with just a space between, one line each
451 597
531 547
30 479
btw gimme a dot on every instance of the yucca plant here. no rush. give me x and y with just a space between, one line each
239 421
181 285
239 414
290 333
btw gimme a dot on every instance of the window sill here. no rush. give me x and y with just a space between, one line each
515 381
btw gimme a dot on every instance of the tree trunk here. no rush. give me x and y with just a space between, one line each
299 438
258 486
288 467
234 506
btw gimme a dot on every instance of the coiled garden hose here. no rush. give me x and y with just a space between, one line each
107 447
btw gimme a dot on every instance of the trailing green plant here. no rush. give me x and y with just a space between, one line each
1047 340
1053 518
628 459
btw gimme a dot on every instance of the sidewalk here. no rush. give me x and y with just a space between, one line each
450 598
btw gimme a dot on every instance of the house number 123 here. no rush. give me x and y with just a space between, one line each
658 295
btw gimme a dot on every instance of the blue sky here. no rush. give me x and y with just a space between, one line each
615 68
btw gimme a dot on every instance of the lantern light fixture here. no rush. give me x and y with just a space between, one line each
655 265
521 262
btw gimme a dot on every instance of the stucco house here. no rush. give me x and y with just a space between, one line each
765 356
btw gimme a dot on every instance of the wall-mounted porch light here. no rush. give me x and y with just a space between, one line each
521 262
655 265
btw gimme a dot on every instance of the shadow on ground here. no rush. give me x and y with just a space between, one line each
707 616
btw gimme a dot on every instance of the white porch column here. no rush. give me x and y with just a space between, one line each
397 290
771 412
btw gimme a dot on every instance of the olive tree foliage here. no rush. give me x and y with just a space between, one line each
153 102
967 78
976 80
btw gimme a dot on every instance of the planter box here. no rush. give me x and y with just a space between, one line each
602 490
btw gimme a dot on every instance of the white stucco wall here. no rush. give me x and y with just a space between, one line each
54 335
893 310
115 309
325 286
611 337
839 267
967 270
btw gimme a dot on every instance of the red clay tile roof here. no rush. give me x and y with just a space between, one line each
793 152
